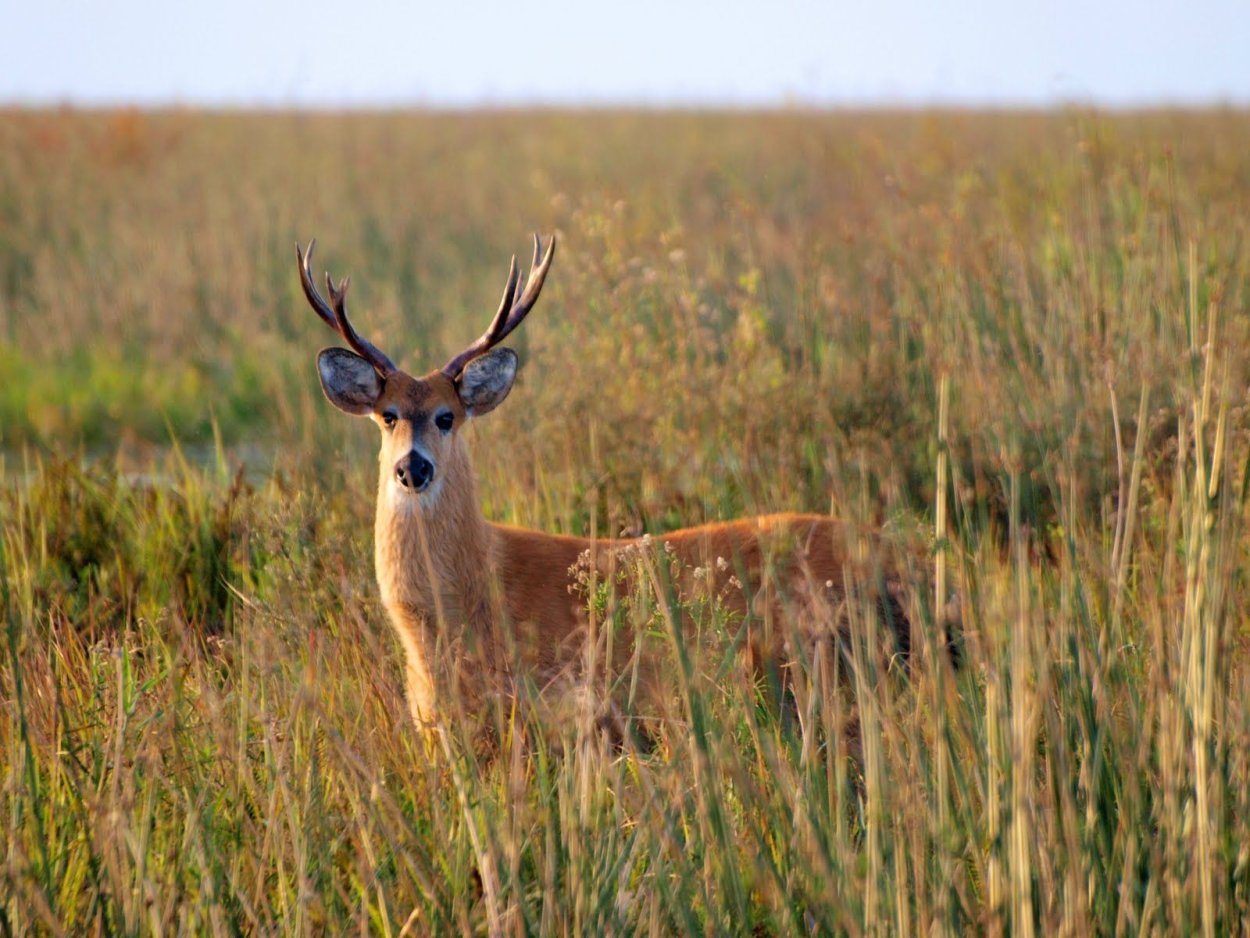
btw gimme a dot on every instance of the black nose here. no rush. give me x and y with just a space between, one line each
414 471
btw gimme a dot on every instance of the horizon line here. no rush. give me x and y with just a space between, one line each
624 104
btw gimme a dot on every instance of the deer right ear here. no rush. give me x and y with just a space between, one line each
486 381
350 383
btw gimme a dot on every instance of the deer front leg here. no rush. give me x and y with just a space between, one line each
420 692
418 678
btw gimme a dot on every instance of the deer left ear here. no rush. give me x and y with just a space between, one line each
486 381
350 383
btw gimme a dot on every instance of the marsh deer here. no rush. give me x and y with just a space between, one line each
471 600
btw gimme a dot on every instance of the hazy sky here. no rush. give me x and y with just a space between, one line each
235 52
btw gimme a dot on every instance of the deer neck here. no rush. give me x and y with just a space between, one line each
434 552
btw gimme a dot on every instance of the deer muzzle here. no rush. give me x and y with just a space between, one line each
414 472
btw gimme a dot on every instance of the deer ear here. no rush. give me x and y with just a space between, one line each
486 381
350 383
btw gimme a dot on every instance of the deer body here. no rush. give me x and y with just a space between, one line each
470 600
442 607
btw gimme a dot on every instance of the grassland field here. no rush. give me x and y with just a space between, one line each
1016 343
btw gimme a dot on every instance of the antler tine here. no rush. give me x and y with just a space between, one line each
533 284
320 307
514 307
336 317
506 303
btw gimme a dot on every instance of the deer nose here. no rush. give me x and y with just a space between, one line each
414 471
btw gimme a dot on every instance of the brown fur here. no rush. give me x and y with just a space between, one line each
470 600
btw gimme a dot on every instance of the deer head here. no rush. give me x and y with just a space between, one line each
419 417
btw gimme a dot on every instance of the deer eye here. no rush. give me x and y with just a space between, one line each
445 420
389 419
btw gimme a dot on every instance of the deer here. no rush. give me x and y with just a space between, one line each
479 605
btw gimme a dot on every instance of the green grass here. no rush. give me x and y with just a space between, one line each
1015 343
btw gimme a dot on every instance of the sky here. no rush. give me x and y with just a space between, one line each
455 53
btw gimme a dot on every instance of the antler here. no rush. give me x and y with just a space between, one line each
336 317
513 308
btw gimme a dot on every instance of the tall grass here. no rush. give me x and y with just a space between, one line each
1017 344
